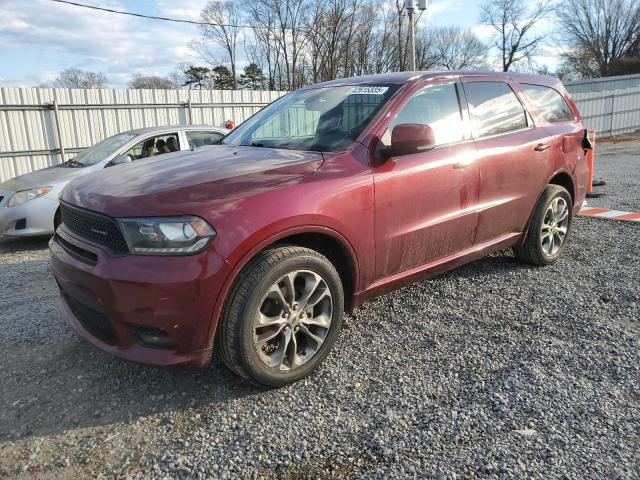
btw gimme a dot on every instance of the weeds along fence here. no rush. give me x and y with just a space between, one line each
40 127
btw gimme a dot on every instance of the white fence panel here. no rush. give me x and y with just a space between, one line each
610 112
29 139
28 129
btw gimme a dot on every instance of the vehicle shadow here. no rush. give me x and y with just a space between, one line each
16 245
53 381
54 388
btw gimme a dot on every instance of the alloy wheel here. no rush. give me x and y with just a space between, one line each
554 226
293 320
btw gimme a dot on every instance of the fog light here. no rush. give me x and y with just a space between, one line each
152 337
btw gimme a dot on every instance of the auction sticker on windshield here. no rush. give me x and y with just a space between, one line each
368 90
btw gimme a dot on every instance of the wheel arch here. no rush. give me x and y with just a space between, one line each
563 179
324 240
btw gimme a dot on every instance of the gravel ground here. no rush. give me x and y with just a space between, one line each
495 369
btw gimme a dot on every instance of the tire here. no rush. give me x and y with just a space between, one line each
540 246
240 338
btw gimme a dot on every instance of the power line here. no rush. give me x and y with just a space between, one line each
151 17
178 20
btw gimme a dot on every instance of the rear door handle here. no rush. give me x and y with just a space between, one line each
541 147
464 163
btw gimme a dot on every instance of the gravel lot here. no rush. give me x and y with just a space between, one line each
495 369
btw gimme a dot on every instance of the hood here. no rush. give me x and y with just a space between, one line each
182 183
44 178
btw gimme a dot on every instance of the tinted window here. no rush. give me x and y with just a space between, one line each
200 139
494 108
549 103
436 106
322 119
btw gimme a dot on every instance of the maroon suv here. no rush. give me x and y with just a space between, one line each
333 194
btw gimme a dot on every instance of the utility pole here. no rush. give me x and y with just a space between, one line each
411 8
410 5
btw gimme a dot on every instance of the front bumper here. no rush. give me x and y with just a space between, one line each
108 300
29 219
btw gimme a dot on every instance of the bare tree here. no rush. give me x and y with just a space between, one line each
332 28
515 38
599 32
75 78
223 19
139 81
261 48
458 49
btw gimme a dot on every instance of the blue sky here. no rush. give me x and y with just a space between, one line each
40 37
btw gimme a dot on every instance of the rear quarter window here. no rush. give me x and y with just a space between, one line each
550 104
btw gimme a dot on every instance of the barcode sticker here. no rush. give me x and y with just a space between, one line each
368 90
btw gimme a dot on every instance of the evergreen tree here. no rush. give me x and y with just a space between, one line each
252 77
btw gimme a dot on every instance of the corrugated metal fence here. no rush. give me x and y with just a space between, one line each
610 112
35 123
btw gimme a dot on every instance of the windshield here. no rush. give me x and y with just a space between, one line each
326 119
102 150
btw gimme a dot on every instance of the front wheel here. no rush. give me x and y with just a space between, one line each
282 316
549 228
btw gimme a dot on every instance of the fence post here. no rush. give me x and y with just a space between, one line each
613 104
190 110
56 116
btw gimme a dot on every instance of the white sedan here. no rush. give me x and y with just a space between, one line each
29 203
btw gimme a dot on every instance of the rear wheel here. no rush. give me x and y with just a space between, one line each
282 316
549 228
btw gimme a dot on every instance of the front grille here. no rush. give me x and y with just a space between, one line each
95 227
97 323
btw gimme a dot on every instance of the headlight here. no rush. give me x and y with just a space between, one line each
166 235
26 195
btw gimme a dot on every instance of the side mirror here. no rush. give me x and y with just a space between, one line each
120 159
408 138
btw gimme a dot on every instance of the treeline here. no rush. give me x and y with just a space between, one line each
285 44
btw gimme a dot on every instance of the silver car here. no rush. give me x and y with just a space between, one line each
29 203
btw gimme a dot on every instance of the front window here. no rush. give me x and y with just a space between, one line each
101 150
436 106
154 146
326 119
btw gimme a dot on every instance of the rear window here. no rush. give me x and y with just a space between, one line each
199 139
552 107
494 108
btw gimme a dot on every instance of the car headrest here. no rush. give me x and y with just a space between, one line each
172 144
161 146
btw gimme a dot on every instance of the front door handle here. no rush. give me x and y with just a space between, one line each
541 147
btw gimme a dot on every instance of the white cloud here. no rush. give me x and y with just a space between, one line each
116 45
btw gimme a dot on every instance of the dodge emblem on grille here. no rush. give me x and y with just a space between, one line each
100 232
